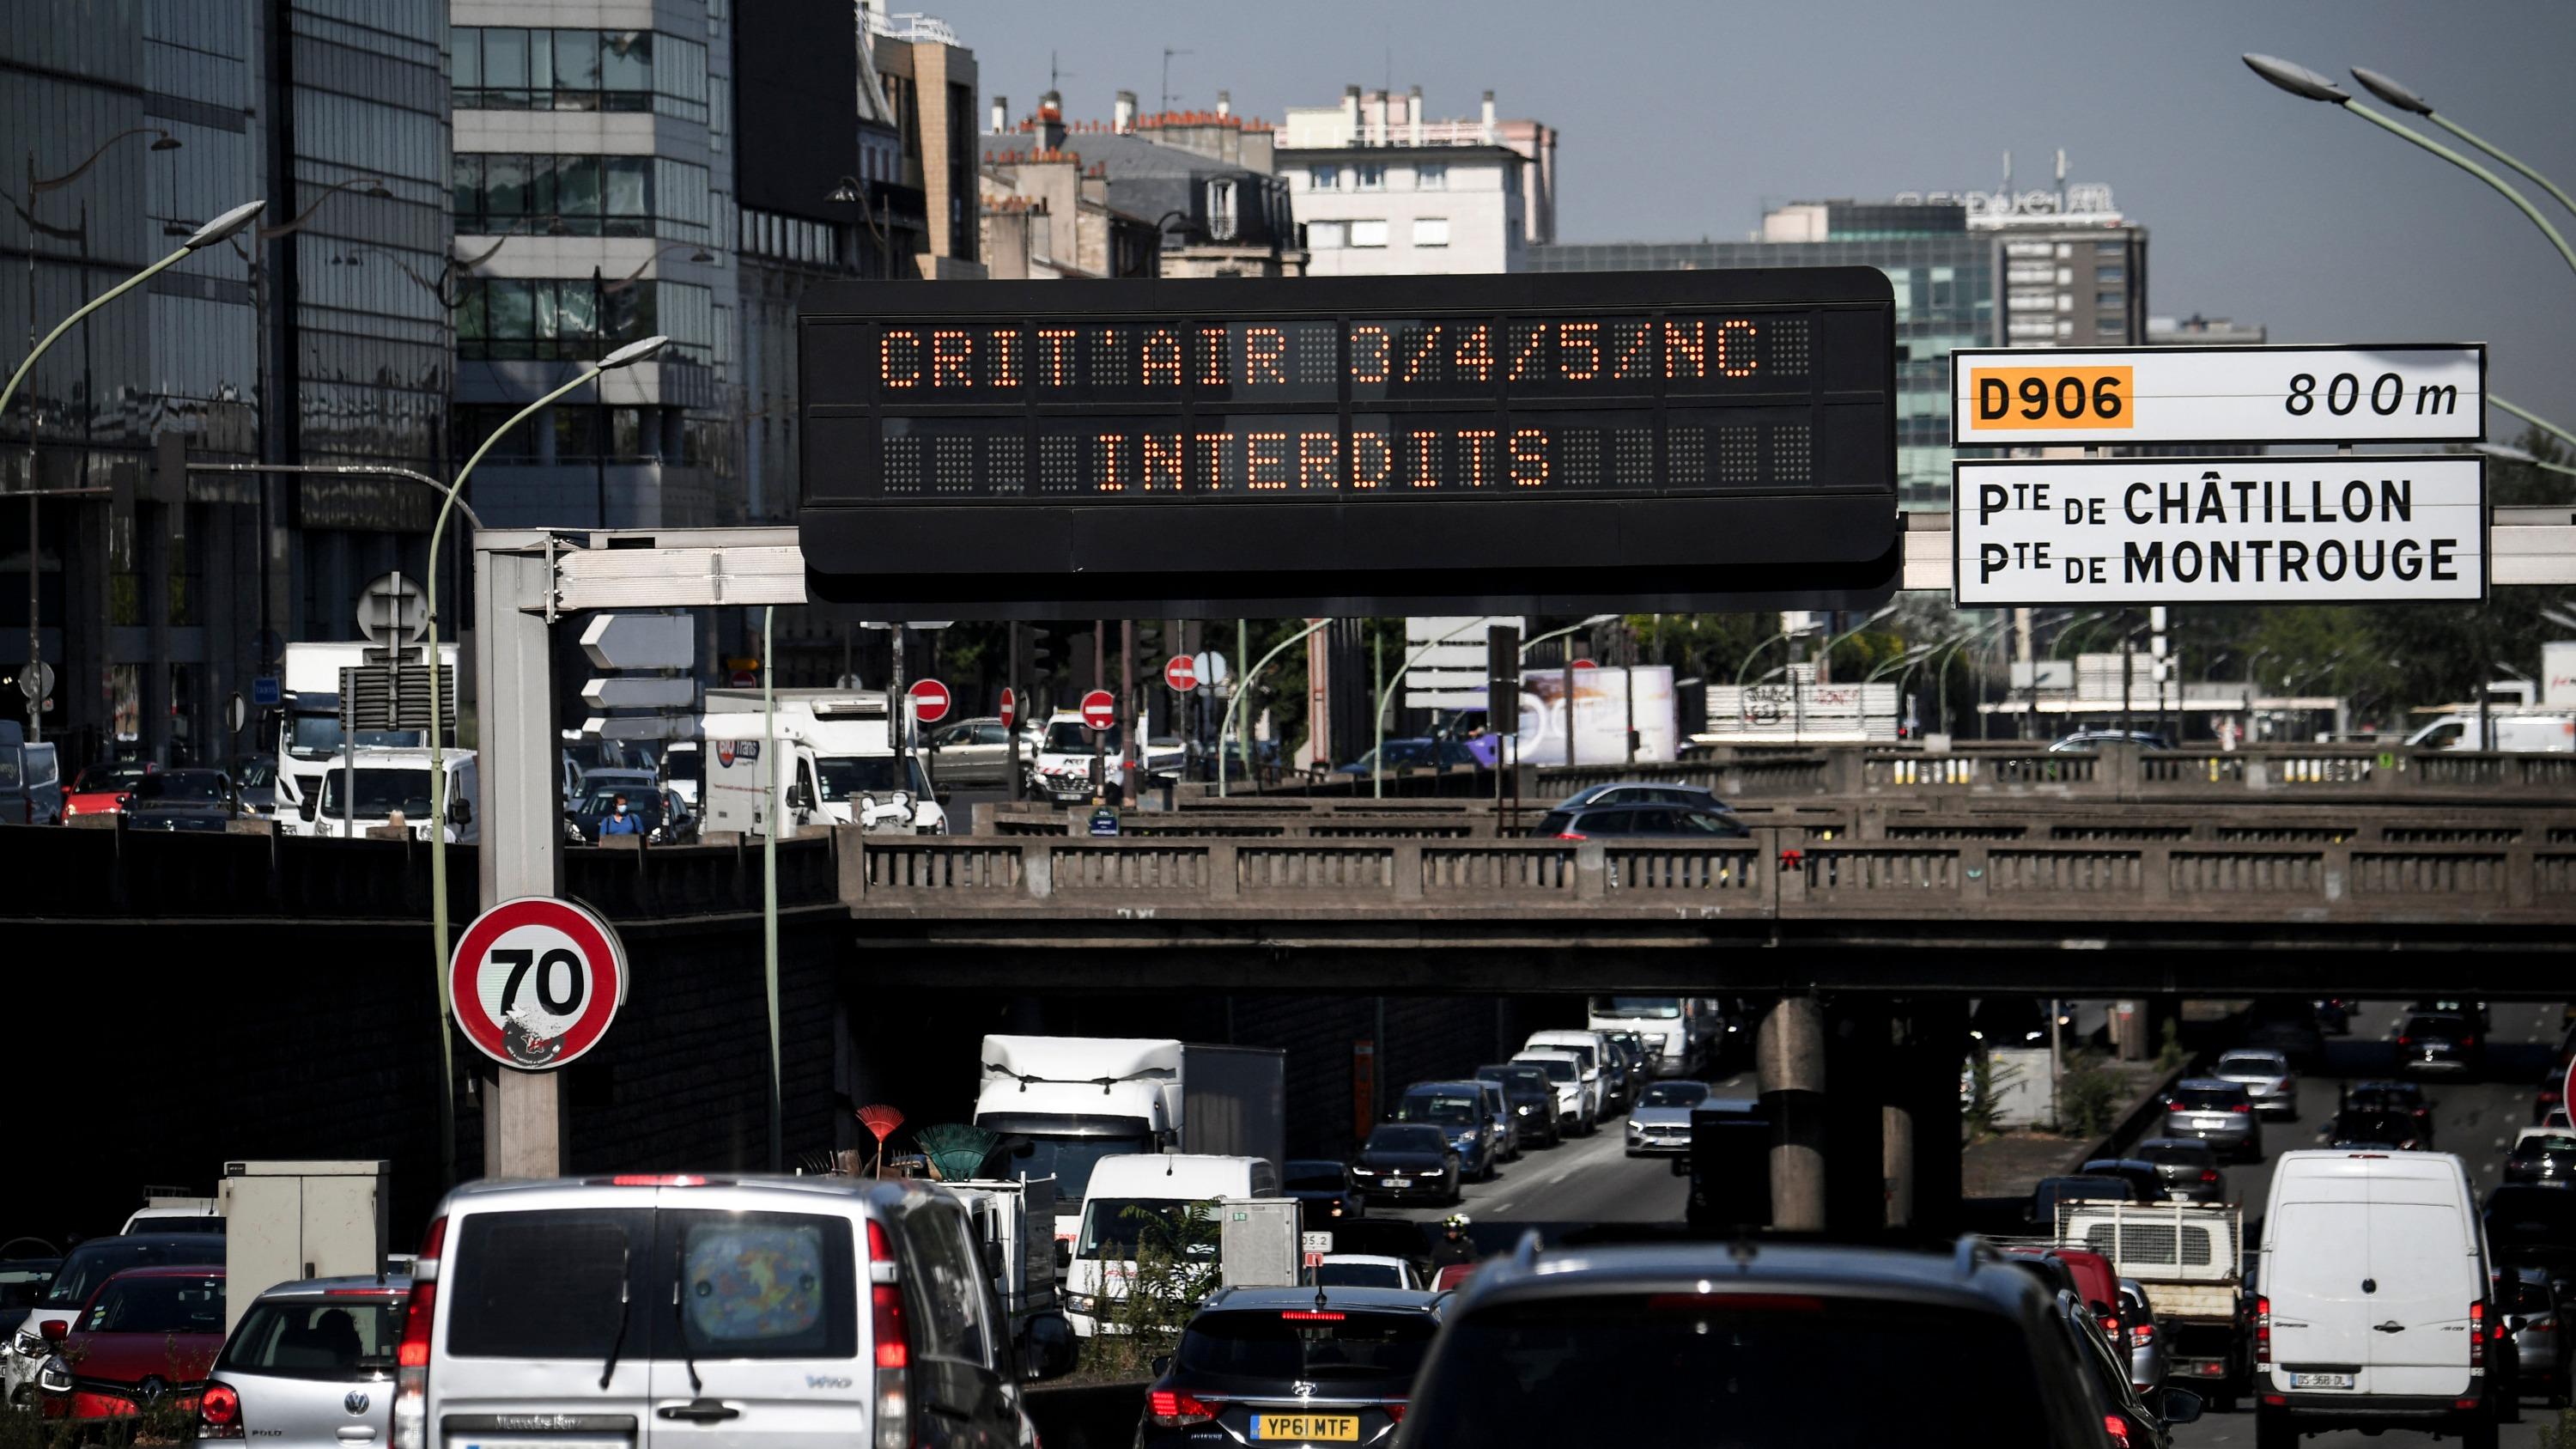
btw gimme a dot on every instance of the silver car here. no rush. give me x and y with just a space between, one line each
2143 1345
310 1366
2266 1077
973 752
1661 1120
2220 1113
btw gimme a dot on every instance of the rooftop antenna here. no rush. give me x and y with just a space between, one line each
2007 173
1056 74
2061 178
1165 108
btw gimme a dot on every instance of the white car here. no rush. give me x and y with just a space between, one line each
2266 1077
1365 1270
1574 1104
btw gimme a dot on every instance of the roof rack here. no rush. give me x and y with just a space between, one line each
1525 1252
1971 1252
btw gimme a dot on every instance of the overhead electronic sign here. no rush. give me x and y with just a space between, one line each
1364 445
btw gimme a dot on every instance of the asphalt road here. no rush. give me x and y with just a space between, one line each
2475 1119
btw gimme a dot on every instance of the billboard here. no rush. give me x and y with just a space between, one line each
1601 715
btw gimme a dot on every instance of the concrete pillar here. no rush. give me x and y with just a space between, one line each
523 1123
1861 1060
1789 1066
1934 1032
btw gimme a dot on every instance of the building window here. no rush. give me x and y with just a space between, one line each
1431 231
1371 178
1326 178
1220 210
565 195
2107 275
502 68
1326 235
502 319
2111 301
1432 176
1368 233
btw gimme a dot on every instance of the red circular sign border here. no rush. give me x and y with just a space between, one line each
1109 704
588 931
1010 708
1178 665
947 701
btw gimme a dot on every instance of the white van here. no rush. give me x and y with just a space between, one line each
393 781
1589 1048
2374 1309
1104 1246
2537 734
685 1312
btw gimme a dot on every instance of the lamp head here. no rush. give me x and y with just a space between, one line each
167 142
377 192
2391 92
2298 80
702 255
846 192
224 225
633 352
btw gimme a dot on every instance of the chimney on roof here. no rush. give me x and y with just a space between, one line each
1122 113
1351 112
1001 114
1050 127
1489 118
1413 116
1224 104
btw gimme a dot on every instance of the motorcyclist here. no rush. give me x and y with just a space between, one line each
1453 1246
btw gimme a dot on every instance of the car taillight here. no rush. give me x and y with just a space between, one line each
1571 835
893 1342
2118 1429
219 1412
2478 1335
2263 1332
2242 1107
2406 1041
2142 1335
2468 1041
1172 1409
2111 1329
2209 1174
411 1355
1395 1412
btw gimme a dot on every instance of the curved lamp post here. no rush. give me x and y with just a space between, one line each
2300 81
205 236
628 355
1240 694
2405 100
1377 717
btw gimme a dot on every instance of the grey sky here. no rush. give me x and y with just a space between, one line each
1682 120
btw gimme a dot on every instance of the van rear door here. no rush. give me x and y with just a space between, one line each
2418 1325
2313 1276
757 1335
547 1328
956 1338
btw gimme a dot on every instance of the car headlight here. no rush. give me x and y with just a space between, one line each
1523 1109
29 1345
55 1377
1081 1302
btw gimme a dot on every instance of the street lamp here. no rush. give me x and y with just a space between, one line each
2535 419
2300 81
1242 691
1825 656
1756 651
626 356
2405 100
850 193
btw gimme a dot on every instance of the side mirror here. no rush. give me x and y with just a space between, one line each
2181 1406
799 798
306 806
54 1330
464 812
1063 1255
1051 1348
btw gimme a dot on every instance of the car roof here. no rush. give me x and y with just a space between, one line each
1377 1260
162 1240
2275 1053
1970 1275
2097 1164
390 1285
532 1193
1449 1084
170 1270
2169 1143
1344 1299
2208 1084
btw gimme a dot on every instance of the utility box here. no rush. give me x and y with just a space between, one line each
291 1220
1257 1242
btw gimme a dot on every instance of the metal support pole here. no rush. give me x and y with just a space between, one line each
1789 1056
769 882
1020 707
1138 712
1243 691
523 1123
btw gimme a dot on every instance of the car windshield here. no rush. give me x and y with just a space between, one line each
1674 1094
314 736
337 1337
195 787
1778 1369
380 793
110 777
1451 1109
2532 1148
1359 1275
92 1262
1558 1069
158 1305
2253 1064
1112 1226
254 773
1405 1137
2179 1154
1072 737
1305 1344
2207 1099
2447 1027
1069 1160
647 803
847 777
1654 1008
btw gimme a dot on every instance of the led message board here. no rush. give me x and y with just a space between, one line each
1668 439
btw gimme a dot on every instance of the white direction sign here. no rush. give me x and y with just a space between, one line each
642 727
536 981
1449 656
2403 393
639 692
2378 528
640 641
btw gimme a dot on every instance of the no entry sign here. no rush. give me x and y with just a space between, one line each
1099 711
536 982
929 700
1010 710
1181 672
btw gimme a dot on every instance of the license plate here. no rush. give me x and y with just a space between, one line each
480 1441
1399 1182
1343 1428
2320 1381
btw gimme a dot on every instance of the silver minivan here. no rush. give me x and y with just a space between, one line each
309 1366
687 1312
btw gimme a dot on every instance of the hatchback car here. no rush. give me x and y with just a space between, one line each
146 1338
2266 1078
1294 1365
2542 1155
84 1268
1687 822
2186 1168
1322 1188
1531 1099
101 789
2053 1191
1657 1344
2539 1317
974 752
2145 1183
1407 1160
2085 742
2400 1096
2219 1113
1661 1120
1636 793
2143 1344
196 800
310 1366
2439 1043
1458 1110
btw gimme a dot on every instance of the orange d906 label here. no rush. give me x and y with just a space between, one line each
2051 397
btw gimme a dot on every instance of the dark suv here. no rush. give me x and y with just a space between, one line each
1623 1344
1304 1365
1532 1098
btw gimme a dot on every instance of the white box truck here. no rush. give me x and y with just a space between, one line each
845 768
308 722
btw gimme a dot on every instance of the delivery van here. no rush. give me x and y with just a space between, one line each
2373 1311
1123 1190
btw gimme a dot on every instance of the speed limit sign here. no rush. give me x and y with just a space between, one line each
536 981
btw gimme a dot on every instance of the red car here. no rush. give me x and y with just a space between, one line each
101 789
147 1338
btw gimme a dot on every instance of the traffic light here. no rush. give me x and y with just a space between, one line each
1502 679
1049 648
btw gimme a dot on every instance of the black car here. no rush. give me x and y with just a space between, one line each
2436 1041
2187 1168
1322 1188
2542 1157
2146 1182
1404 1160
1635 793
660 816
1757 1343
182 800
1532 1098
2533 1226
2406 1097
2375 1127
2051 1191
2085 742
1688 822
1299 1365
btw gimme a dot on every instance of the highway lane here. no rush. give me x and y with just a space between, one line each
2475 1119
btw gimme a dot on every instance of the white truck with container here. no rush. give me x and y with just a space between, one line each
2190 1257
846 770
308 723
1014 1229
1066 1102
1679 1031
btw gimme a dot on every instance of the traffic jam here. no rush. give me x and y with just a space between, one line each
1115 1241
